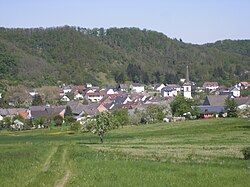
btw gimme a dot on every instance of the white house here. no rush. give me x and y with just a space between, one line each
66 90
211 86
235 91
88 85
33 93
160 87
243 85
65 98
168 92
136 87
111 91
94 97
78 97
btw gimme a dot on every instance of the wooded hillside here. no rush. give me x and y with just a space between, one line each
39 56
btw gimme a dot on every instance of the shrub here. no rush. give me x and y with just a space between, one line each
246 153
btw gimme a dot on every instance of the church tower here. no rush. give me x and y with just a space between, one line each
187 86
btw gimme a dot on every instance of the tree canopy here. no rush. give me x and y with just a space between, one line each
79 55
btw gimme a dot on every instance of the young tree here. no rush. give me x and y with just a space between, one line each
68 115
121 116
103 122
18 95
49 94
37 100
181 105
58 120
231 107
155 113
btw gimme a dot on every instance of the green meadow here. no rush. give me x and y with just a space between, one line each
191 153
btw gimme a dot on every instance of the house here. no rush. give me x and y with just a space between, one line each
65 98
243 85
79 88
89 85
152 100
47 112
136 87
66 90
123 87
110 91
235 91
208 111
119 101
176 87
76 107
17 125
11 112
215 100
210 86
159 87
93 96
78 96
167 91
242 102
33 92
92 109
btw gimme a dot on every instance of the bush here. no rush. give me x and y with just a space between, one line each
246 153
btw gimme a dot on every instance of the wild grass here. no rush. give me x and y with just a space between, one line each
192 153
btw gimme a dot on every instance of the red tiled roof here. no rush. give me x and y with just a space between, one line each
210 84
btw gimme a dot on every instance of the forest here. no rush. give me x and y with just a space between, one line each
45 56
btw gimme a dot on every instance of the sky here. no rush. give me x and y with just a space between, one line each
193 21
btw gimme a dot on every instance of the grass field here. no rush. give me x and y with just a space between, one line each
192 153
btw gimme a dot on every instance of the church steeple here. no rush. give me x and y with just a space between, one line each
187 87
187 75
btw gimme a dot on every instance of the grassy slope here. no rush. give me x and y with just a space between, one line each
193 153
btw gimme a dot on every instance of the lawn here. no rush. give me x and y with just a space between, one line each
192 153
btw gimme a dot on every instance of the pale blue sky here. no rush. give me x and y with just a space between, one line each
195 21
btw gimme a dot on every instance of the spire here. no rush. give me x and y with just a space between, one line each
187 75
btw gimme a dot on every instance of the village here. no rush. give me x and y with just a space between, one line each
86 101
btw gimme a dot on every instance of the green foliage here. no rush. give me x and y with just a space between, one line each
154 114
75 126
6 122
7 65
245 93
196 112
181 105
38 121
58 120
68 111
37 100
126 54
121 115
231 107
103 123
246 153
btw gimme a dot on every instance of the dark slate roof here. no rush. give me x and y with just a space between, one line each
167 89
76 107
45 111
210 109
11 111
215 100
91 109
242 100
174 85
119 100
